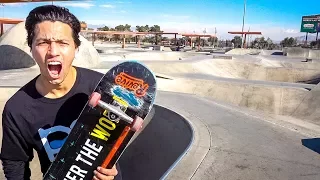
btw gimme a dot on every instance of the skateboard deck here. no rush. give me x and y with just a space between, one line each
113 114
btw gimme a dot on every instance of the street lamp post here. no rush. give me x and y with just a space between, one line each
244 14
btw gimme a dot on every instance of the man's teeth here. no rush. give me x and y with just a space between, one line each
54 63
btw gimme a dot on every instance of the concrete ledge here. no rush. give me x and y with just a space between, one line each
302 52
222 56
270 99
308 109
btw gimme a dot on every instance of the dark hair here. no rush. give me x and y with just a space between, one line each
52 13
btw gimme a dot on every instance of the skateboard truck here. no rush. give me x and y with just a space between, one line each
94 100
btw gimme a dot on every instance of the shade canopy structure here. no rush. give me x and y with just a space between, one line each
127 32
8 21
197 35
93 32
245 35
111 32
157 33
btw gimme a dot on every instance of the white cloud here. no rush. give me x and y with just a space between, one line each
107 6
123 2
79 5
290 31
115 11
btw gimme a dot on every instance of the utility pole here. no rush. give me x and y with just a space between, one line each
244 14
215 37
248 41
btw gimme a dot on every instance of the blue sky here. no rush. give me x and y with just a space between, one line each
275 19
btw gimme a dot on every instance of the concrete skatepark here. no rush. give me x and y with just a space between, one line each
241 114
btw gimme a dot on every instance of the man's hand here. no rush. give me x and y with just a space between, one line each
105 174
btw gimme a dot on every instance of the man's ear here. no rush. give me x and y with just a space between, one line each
77 51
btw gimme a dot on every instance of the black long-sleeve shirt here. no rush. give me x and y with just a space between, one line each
31 121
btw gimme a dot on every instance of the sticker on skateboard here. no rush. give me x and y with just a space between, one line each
114 112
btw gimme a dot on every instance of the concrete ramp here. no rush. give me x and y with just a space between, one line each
302 53
14 52
240 51
147 56
235 69
296 52
271 52
277 100
288 62
158 55
314 54
168 49
12 57
309 108
158 148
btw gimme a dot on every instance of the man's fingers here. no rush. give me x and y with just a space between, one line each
100 176
108 172
102 173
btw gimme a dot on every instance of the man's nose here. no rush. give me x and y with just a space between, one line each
53 49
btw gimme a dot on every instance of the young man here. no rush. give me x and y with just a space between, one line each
40 115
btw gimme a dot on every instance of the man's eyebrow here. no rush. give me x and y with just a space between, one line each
45 39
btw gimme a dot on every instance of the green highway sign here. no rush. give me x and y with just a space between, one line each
310 24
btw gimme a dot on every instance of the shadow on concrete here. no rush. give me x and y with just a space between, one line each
277 53
14 58
158 148
313 144
312 80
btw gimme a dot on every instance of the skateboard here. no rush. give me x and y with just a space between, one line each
115 111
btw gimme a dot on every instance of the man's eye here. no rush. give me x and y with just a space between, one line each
41 43
65 43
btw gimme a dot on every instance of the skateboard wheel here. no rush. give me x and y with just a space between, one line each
94 99
137 124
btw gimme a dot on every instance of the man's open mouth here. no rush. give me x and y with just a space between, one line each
54 68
